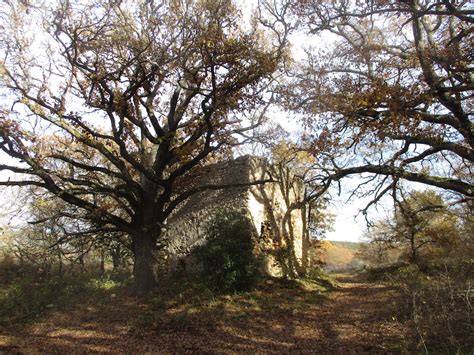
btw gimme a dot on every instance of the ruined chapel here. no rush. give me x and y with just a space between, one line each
274 210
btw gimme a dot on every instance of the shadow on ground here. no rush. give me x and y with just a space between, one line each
277 317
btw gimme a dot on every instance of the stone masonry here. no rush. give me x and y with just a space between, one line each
275 210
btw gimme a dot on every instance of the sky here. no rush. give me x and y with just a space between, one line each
346 226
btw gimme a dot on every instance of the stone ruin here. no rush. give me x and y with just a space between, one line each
275 210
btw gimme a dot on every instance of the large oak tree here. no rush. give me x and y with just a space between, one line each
391 97
116 105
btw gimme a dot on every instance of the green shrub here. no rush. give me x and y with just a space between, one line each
29 295
320 277
8 270
227 258
384 272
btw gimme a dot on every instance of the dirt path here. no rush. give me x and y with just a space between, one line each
358 317
352 319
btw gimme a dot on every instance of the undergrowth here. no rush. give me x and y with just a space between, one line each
186 301
437 302
227 258
31 295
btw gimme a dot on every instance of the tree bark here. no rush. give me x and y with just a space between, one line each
145 263
116 258
414 256
102 262
60 262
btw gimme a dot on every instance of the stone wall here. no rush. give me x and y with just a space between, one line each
273 208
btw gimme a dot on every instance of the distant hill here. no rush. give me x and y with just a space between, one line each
349 245
337 255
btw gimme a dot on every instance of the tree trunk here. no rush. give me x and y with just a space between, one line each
60 261
116 258
414 255
145 263
102 262
81 263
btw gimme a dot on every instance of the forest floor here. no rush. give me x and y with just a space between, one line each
278 317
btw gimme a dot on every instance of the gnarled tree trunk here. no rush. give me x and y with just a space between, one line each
145 263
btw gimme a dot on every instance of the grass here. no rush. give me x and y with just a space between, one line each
299 315
436 299
189 302
188 306
30 296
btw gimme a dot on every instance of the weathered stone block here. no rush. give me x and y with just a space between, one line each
275 210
